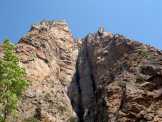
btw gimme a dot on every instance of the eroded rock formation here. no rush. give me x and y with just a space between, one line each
103 77
48 54
119 80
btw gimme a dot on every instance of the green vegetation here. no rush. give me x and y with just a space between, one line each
12 82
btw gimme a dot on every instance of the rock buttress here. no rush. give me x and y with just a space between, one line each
119 80
48 54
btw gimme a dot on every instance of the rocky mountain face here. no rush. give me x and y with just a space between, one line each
118 80
48 54
103 77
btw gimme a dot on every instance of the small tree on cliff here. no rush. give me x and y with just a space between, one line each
12 81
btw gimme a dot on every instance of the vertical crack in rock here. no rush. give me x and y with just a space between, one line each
108 78
91 68
80 111
83 99
86 86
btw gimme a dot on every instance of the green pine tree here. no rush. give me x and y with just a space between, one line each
12 82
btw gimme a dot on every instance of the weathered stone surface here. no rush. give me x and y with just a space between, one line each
119 80
46 52
103 77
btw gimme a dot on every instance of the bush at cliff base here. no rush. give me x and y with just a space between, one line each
12 82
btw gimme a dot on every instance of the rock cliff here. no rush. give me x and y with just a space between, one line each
103 77
119 80
48 54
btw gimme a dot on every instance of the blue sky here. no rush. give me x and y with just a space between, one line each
137 19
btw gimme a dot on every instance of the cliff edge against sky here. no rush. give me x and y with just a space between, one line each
103 77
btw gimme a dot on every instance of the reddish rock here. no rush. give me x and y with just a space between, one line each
103 77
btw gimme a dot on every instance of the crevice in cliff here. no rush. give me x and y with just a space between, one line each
91 69
82 90
87 78
80 111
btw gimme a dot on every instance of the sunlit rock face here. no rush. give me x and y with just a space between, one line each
48 54
103 77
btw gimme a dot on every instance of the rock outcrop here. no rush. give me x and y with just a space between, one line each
103 77
48 54
119 80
